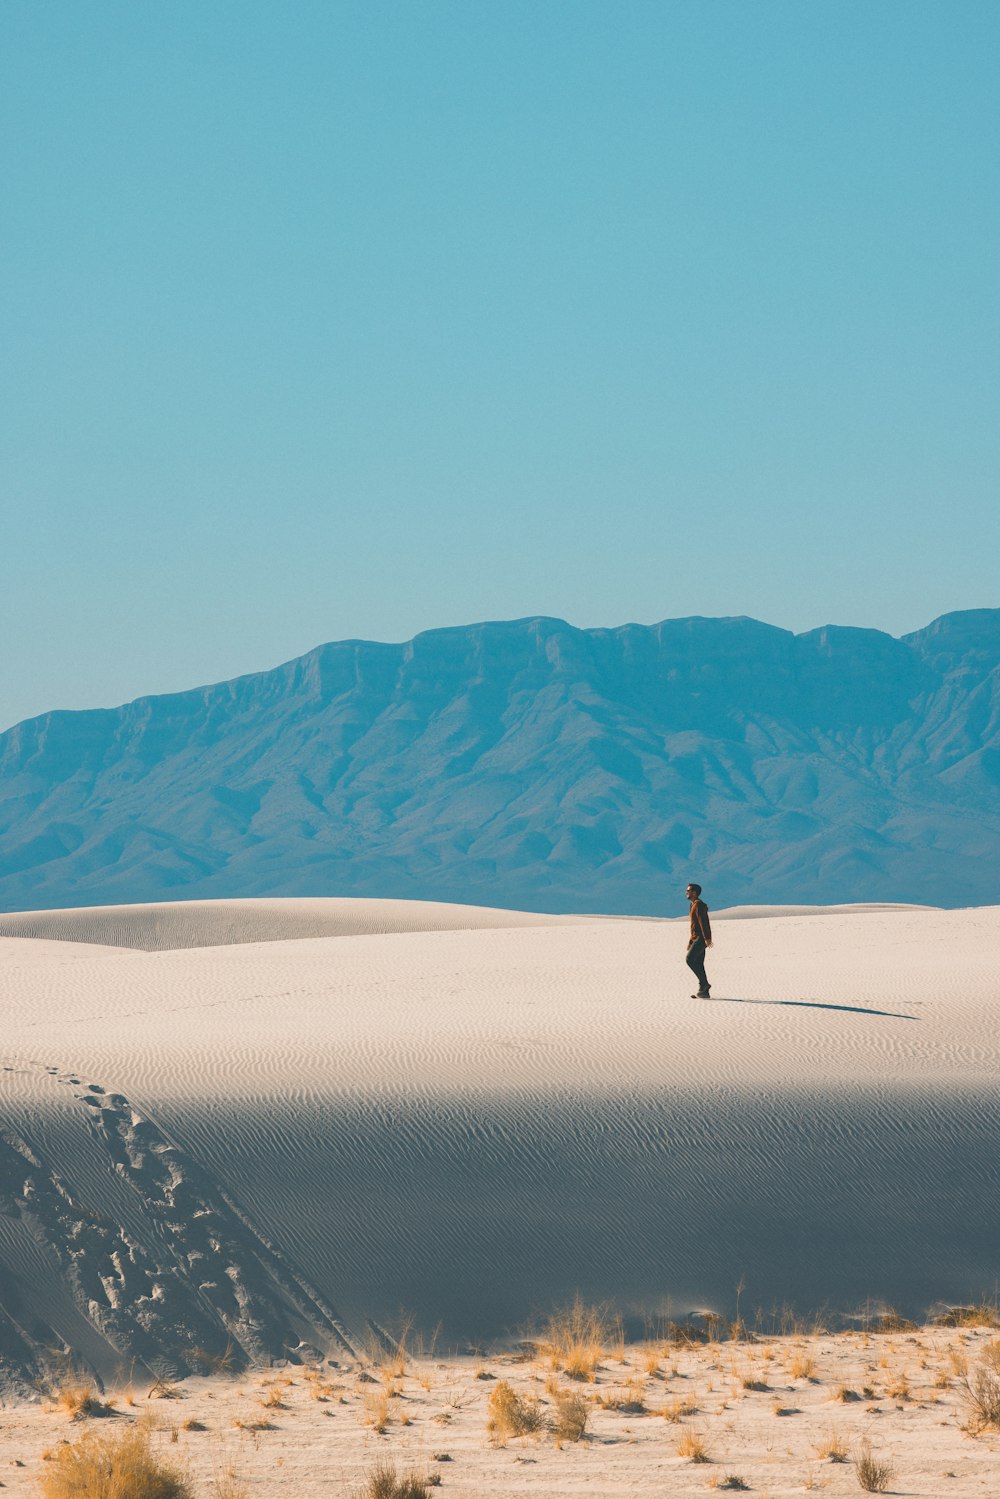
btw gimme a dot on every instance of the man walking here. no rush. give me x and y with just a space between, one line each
700 937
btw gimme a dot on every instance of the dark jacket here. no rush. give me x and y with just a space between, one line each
701 927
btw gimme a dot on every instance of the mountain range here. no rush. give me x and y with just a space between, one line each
531 764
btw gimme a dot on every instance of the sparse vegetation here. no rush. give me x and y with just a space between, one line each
676 1410
382 1483
981 1314
833 1447
79 1398
872 1474
510 1415
980 1387
229 1485
119 1465
576 1339
692 1446
375 1408
569 1419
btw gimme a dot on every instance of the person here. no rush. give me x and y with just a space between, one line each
699 938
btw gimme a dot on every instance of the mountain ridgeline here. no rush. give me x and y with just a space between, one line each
532 764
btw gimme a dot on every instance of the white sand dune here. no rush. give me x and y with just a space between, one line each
163 926
472 1114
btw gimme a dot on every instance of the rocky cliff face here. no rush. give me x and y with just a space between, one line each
532 764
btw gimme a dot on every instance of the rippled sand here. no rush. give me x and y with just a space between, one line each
213 1133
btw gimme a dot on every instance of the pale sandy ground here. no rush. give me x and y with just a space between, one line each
211 1132
901 1391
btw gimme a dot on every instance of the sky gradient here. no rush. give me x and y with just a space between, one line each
351 320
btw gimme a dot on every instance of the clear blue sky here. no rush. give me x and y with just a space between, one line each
328 319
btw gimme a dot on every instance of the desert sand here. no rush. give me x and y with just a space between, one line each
263 1130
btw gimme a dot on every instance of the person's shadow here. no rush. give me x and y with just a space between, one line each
818 1004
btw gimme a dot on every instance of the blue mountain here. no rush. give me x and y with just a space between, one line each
531 764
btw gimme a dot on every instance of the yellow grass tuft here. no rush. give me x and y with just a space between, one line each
121 1465
79 1398
692 1446
833 1447
510 1415
375 1410
629 1398
675 1410
576 1338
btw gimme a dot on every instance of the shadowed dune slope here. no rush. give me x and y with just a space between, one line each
263 1143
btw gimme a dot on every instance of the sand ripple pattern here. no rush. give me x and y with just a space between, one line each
475 1122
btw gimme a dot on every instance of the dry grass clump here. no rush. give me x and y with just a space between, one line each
629 1398
982 1314
511 1415
980 1389
569 1421
375 1410
121 1465
383 1483
576 1338
676 1410
732 1481
79 1399
162 1389
229 1485
891 1321
265 1425
803 1366
873 1476
833 1447
692 1445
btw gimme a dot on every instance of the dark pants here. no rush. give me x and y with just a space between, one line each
696 962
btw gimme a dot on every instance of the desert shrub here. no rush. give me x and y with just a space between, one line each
734 1481
510 1415
873 1475
980 1388
383 1483
569 1420
121 1465
982 1314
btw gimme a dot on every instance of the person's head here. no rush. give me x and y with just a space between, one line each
693 892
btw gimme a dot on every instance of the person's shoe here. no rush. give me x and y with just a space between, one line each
702 994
